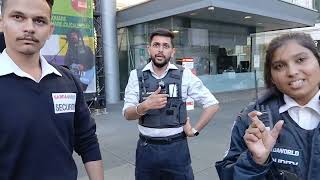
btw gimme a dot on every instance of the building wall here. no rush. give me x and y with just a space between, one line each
221 52
224 54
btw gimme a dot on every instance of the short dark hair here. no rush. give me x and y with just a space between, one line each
302 39
78 32
162 32
4 2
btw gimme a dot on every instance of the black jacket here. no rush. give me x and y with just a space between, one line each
296 154
41 126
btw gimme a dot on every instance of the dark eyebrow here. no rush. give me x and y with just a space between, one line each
160 43
17 12
41 18
22 14
275 61
294 56
300 54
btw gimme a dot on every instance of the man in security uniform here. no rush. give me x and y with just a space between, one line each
156 96
44 117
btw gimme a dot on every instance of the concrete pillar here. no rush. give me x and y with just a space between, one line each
110 47
139 44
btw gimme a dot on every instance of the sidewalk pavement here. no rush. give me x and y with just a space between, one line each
118 138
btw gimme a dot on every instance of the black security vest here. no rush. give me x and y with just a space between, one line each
174 114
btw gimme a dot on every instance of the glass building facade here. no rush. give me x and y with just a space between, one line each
220 52
226 56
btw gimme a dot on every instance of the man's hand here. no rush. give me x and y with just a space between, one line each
187 128
94 170
260 140
155 101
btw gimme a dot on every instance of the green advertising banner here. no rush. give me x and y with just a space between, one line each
73 14
72 43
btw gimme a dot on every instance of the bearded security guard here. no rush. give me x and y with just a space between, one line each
156 96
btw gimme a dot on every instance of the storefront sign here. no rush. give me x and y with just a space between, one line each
188 64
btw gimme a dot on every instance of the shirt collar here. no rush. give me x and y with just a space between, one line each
48 68
290 103
7 66
150 68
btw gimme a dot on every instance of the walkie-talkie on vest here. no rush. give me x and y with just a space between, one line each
266 116
163 87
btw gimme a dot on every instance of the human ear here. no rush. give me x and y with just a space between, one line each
148 48
173 52
1 24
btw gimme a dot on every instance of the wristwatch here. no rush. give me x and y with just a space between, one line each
195 132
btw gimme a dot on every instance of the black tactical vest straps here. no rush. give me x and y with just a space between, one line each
175 113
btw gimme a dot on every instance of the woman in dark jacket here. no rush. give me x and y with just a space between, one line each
283 141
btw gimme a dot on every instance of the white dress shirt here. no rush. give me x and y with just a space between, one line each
307 116
191 86
7 66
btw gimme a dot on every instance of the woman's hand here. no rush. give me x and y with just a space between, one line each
259 139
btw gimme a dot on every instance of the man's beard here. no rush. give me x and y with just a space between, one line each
160 65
